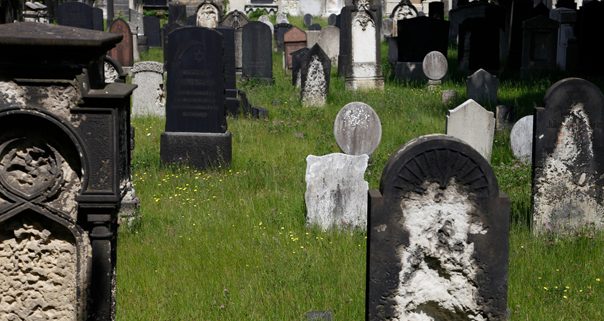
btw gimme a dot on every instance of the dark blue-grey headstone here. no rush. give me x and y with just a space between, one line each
97 19
413 45
307 20
332 19
314 26
280 30
152 31
479 45
230 81
177 13
75 14
257 52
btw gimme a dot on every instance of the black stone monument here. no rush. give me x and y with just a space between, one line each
257 52
76 14
280 30
414 45
152 31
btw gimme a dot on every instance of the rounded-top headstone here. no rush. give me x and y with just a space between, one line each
435 65
332 19
307 20
357 129
387 27
521 139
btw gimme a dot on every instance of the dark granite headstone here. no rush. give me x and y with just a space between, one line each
177 13
568 152
314 26
294 39
307 20
539 44
479 45
280 30
123 52
75 14
436 10
298 59
589 31
569 4
494 14
97 19
332 19
520 10
414 45
152 31
165 32
230 81
345 40
257 52
195 87
314 77
438 216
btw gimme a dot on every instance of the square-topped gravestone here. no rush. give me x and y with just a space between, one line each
149 97
75 14
479 45
124 51
438 236
568 147
294 39
196 127
257 59
314 75
65 151
152 31
474 125
482 87
539 44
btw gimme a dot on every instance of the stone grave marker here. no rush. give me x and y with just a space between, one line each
435 67
345 20
282 17
136 22
566 18
539 44
437 236
314 27
152 31
331 20
520 11
336 191
403 10
265 19
521 139
149 97
293 39
298 60
257 59
436 10
479 44
65 147
75 14
235 19
279 33
474 125
312 37
113 71
476 9
307 20
357 129
97 19
482 87
568 149
123 52
413 46
177 13
314 75
387 27
208 15
196 127
329 40
503 117
230 79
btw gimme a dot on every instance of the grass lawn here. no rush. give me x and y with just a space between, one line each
231 243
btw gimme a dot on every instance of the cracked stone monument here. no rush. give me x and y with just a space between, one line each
437 236
482 87
314 75
474 125
358 129
196 127
65 151
567 160
521 139
149 97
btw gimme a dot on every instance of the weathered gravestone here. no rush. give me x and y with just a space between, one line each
257 59
312 37
482 87
294 39
165 32
235 19
474 125
75 14
331 20
298 61
307 20
520 10
521 139
152 31
357 129
266 20
177 13
568 149
336 191
149 97
123 52
539 44
403 10
314 75
438 236
65 142
113 71
279 32
503 117
208 15
196 128
435 67
329 40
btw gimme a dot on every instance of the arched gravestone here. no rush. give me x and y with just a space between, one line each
357 129
208 15
123 52
521 139
257 59
438 222
314 76
567 161
403 10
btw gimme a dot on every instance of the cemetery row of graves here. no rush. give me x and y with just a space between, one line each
353 170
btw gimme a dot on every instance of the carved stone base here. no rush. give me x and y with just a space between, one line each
200 150
364 83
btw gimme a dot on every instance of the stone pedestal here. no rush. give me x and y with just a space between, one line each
199 150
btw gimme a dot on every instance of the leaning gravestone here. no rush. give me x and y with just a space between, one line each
474 125
435 67
314 77
152 31
257 60
482 87
521 139
357 129
124 51
336 191
196 127
568 166
149 97
75 14
438 236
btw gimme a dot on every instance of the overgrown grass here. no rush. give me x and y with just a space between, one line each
231 243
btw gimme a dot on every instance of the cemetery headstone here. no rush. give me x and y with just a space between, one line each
136 22
113 71
123 51
539 44
521 139
257 60
503 117
331 20
97 19
149 97
152 31
196 127
64 168
478 48
357 129
235 19
336 191
315 26
312 37
329 40
403 10
568 148
293 39
344 20
208 15
436 10
566 18
482 87
520 11
437 236
413 46
280 30
315 74
165 32
474 125
177 13
230 80
298 60
75 14
307 20
387 27
282 18
264 19
435 67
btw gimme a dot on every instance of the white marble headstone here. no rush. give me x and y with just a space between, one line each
207 16
149 97
521 139
357 129
435 65
474 125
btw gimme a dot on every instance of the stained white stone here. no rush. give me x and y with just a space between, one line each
521 139
265 19
435 65
149 97
336 191
314 92
207 16
474 125
312 37
357 129
365 71
329 40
